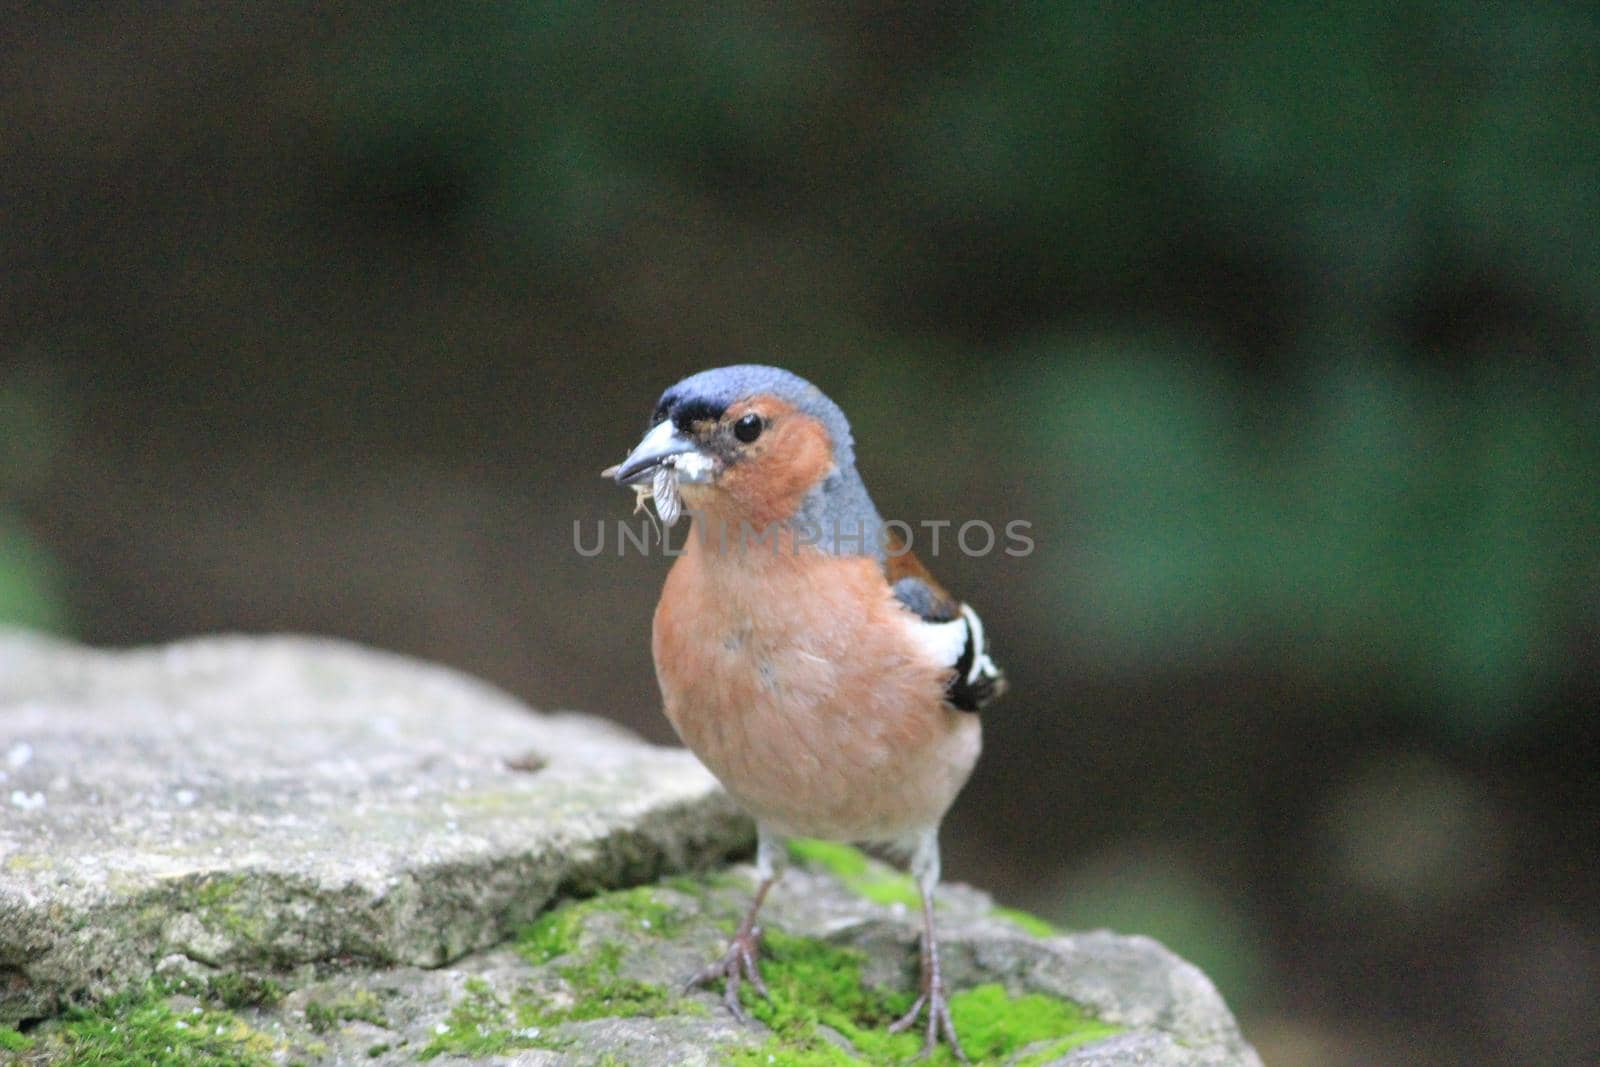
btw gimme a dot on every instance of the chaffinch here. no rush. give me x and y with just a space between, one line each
813 664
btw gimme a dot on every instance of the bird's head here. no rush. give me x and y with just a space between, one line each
746 443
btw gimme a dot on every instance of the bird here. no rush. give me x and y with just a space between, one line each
803 652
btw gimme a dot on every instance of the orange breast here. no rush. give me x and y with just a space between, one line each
797 681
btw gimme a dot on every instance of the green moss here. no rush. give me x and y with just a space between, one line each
682 883
1028 921
556 933
642 905
216 889
374 1051
360 1005
598 991
483 1023
219 902
865 877
231 990
815 984
142 1030
476 1026
596 986
697 885
14 1041
993 1024
228 989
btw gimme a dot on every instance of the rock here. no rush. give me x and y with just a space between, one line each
264 803
298 851
599 981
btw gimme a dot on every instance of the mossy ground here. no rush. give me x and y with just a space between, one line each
882 884
487 1022
147 1028
557 932
361 1005
876 882
231 989
817 988
821 1011
222 904
818 993
1028 921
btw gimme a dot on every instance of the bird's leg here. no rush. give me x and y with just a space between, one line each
739 964
931 996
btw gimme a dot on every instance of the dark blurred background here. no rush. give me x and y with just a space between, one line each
1278 324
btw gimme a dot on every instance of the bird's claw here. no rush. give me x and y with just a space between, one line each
932 999
736 966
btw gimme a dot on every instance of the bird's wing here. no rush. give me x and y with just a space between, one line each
952 631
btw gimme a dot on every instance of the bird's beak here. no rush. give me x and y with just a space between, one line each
658 446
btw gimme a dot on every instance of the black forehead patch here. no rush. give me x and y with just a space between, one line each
686 409
690 410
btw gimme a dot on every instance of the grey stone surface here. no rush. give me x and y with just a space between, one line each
248 802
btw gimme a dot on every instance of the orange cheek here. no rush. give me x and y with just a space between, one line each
768 485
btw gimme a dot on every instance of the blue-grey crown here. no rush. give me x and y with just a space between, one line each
709 393
838 509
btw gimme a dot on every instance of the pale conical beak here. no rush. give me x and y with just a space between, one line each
659 445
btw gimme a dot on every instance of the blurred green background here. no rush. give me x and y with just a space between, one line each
1279 323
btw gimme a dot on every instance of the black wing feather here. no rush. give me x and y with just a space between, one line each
975 681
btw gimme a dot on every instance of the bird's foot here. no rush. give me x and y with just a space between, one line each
736 966
931 1000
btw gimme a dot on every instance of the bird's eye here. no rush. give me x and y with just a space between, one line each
748 428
